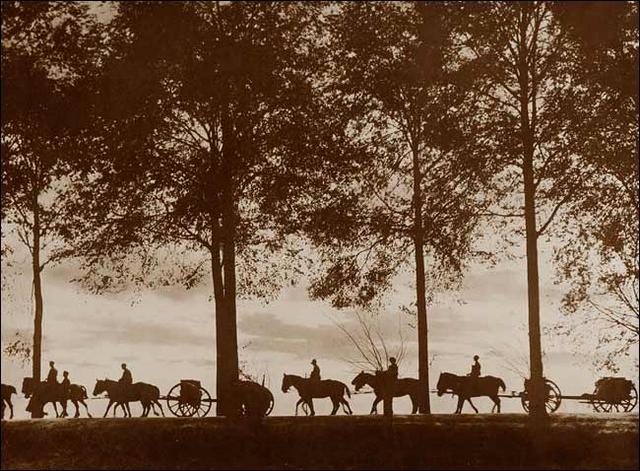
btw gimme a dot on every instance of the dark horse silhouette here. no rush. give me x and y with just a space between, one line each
403 387
309 389
255 399
43 392
466 387
122 395
7 391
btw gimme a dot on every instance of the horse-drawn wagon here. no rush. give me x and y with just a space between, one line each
189 399
611 394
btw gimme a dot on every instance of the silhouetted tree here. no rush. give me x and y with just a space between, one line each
203 150
600 261
520 56
411 191
47 48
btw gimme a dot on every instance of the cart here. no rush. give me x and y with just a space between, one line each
611 394
188 398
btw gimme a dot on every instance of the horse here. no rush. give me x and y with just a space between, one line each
40 393
255 400
53 393
403 387
121 395
309 389
7 391
78 393
466 387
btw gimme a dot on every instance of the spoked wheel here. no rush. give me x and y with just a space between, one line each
625 405
630 403
174 404
551 402
203 407
270 406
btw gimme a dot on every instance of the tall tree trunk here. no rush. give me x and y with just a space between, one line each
230 340
536 385
421 301
37 294
218 291
227 336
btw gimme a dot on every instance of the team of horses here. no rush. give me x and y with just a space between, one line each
120 395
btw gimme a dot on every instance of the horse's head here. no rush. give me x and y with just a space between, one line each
286 382
28 387
445 382
11 389
360 380
100 387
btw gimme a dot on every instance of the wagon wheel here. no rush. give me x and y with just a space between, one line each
630 402
271 402
551 402
625 405
174 404
204 405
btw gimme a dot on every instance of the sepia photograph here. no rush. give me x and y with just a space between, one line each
320 235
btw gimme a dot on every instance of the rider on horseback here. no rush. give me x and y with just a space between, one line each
315 372
66 383
127 378
392 370
52 377
475 368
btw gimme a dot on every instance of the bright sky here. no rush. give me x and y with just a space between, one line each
169 335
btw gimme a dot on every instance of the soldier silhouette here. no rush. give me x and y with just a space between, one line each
475 368
126 379
66 383
393 368
315 372
52 377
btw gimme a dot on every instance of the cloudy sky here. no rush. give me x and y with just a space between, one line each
168 334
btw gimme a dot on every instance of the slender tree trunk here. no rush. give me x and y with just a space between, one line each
226 325
37 294
421 302
230 340
536 386
218 291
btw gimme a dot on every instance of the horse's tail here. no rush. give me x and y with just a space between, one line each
501 384
346 388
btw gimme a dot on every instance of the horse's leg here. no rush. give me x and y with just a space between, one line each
459 406
374 406
336 406
474 407
64 408
496 403
310 402
300 401
160 406
346 406
128 408
414 405
85 406
10 407
55 408
75 403
108 407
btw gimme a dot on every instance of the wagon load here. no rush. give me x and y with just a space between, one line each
613 389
